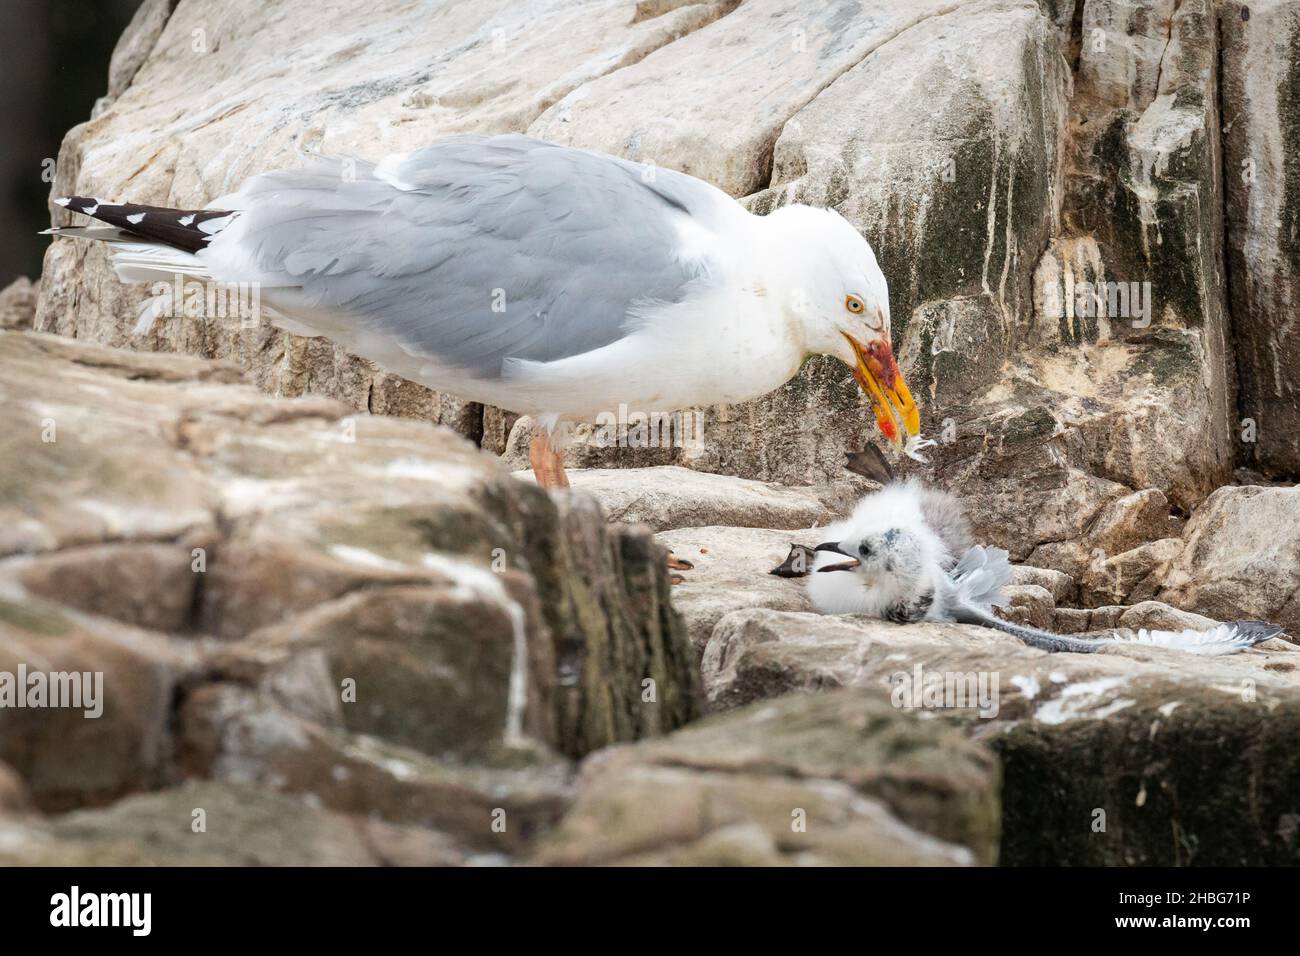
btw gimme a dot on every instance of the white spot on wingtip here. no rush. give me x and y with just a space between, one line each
186 220
62 201
214 226
137 218
90 210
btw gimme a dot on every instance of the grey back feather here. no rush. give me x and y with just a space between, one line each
414 250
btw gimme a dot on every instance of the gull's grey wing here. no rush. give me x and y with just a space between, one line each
474 250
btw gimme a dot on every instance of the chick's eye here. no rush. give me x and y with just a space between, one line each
854 304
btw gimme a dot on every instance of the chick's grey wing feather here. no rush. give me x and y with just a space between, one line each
476 249
947 517
978 577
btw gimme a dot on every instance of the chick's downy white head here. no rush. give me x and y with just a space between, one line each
884 561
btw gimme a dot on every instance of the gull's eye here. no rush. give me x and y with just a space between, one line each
854 304
864 549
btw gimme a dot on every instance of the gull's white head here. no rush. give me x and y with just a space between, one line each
833 287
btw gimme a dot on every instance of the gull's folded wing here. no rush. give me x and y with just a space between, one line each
469 252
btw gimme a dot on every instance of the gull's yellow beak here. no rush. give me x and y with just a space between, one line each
877 373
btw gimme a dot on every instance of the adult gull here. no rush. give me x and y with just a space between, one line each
546 280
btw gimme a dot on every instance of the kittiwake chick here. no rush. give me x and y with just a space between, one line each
893 559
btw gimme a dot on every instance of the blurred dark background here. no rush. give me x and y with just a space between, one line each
53 66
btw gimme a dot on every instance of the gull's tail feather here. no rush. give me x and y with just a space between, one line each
150 243
187 230
97 233
979 576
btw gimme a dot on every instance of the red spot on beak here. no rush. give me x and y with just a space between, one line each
888 371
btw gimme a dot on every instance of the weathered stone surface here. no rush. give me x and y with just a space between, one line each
671 497
1127 393
728 88
18 304
365 613
1261 140
870 786
1132 520
424 674
245 826
624 665
1124 552
326 524
15 799
1152 615
272 737
1134 575
1121 720
1030 604
956 196
731 571
1190 776
118 742
1241 558
1142 179
134 46
143 584
1156 615
1060 585
755 654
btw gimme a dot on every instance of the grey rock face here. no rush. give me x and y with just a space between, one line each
1261 140
839 778
1085 210
361 609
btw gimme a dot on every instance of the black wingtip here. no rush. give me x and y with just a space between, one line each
1257 631
189 230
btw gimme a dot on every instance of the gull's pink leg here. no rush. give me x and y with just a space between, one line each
548 464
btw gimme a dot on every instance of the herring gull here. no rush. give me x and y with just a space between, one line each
544 279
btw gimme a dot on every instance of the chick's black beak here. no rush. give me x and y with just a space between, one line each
834 546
